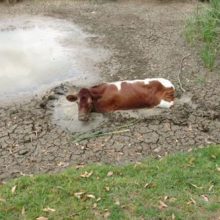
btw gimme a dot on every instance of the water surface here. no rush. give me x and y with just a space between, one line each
37 53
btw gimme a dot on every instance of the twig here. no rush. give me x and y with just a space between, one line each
180 72
98 134
87 136
115 132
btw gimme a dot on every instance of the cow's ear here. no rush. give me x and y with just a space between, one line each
71 98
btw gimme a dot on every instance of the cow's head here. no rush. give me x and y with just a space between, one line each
85 103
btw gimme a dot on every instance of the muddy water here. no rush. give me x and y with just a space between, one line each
37 53
66 116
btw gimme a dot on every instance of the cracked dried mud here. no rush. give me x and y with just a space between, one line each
145 39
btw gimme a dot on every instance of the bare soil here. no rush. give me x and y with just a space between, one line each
146 40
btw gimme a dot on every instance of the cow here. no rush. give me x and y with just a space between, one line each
123 95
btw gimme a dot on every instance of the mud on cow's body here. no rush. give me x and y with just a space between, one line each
124 95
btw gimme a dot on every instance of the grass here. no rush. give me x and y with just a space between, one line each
203 30
181 186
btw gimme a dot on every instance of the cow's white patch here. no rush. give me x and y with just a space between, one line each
117 84
166 83
165 104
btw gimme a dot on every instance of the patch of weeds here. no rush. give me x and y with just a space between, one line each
203 30
208 55
201 80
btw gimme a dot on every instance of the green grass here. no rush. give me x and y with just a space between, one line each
203 31
183 182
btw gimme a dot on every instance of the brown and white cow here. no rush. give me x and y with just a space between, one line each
123 95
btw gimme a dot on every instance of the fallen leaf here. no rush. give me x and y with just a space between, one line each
90 196
62 164
137 164
97 200
41 218
166 198
79 166
48 209
107 188
86 174
218 169
205 198
213 156
23 174
159 157
192 201
23 211
117 202
110 173
211 187
13 189
162 205
197 187
79 194
147 185
173 217
95 205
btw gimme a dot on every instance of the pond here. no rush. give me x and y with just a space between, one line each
37 53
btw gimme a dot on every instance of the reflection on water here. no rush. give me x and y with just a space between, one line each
40 52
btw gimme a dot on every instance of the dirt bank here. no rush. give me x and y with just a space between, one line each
146 40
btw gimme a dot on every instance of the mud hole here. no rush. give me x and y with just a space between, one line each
146 40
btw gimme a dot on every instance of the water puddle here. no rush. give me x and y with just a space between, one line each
37 53
66 116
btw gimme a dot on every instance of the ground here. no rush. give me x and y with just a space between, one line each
146 40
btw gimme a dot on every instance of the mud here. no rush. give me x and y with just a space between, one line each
146 40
